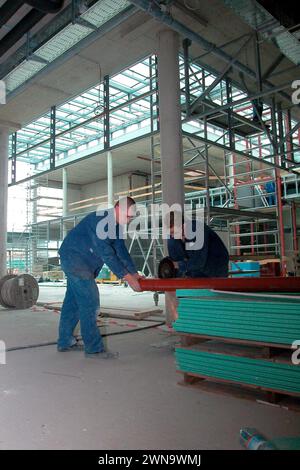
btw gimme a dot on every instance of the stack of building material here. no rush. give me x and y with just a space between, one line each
280 377
267 320
247 339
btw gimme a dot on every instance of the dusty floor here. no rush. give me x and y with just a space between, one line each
51 400
110 296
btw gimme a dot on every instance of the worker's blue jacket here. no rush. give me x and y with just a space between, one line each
83 253
209 261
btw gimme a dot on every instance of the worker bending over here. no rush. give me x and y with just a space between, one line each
210 260
83 253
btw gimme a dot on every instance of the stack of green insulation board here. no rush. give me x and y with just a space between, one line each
280 377
266 319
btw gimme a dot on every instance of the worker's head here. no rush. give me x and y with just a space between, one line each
174 222
125 210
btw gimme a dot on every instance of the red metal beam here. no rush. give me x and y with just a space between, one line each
280 220
240 284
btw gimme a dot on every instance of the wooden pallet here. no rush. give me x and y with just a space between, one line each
264 350
243 391
285 399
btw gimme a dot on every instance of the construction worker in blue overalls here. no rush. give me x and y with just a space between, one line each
270 189
96 240
209 260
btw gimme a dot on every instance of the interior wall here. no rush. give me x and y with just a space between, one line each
74 195
98 188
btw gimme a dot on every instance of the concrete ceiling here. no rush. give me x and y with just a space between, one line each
15 19
129 42
224 26
123 46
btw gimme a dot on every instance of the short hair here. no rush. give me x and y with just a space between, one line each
125 201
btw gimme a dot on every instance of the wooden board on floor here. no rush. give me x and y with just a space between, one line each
238 350
114 312
241 391
130 314
270 349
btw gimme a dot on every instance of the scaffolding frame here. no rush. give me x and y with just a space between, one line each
216 113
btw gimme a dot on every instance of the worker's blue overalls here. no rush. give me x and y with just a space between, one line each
271 192
82 255
209 261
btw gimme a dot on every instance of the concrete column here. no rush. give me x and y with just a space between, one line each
4 134
65 198
170 132
170 118
110 180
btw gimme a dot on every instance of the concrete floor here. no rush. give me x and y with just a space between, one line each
110 296
51 400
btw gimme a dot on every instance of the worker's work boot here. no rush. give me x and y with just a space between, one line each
103 355
74 347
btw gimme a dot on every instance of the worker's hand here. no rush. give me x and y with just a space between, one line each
139 276
133 282
175 264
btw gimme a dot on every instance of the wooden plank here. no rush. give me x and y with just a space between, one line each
219 347
247 386
190 341
235 341
240 392
141 314
129 314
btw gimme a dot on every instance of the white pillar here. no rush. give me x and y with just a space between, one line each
170 130
170 118
110 180
65 199
4 135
